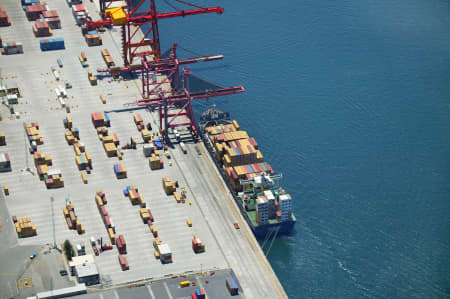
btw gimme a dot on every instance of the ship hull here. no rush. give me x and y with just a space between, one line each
284 228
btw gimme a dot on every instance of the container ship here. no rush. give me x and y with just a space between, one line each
264 204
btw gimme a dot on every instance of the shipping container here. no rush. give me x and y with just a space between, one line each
123 263
52 44
232 286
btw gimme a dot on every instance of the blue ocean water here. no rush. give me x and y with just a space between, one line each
350 100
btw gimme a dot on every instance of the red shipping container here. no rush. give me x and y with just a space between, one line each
123 262
122 239
107 221
49 14
69 223
79 7
253 142
103 211
151 216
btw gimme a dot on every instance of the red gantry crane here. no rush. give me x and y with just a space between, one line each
133 17
133 20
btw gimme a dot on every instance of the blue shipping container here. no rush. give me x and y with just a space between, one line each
125 192
52 44
92 32
116 168
232 286
108 121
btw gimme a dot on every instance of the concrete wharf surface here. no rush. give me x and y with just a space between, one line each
212 212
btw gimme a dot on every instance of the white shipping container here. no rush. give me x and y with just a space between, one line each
148 148
183 147
55 73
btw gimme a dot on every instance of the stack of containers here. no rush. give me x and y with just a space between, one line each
155 161
25 228
246 172
197 244
2 138
82 157
52 18
12 48
199 294
146 136
41 28
134 196
54 179
169 186
148 149
93 38
138 121
52 44
99 120
144 215
107 58
4 19
26 3
80 13
41 159
5 162
34 11
83 60
33 133
71 217
109 145
100 200
120 171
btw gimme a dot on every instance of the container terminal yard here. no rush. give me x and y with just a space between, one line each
56 191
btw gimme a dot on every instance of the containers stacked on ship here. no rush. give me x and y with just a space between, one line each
52 44
265 206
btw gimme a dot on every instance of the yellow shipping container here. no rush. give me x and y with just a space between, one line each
77 150
88 156
84 177
65 212
111 235
185 283
177 197
236 125
99 201
189 222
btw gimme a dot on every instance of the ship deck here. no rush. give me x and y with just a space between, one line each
212 212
